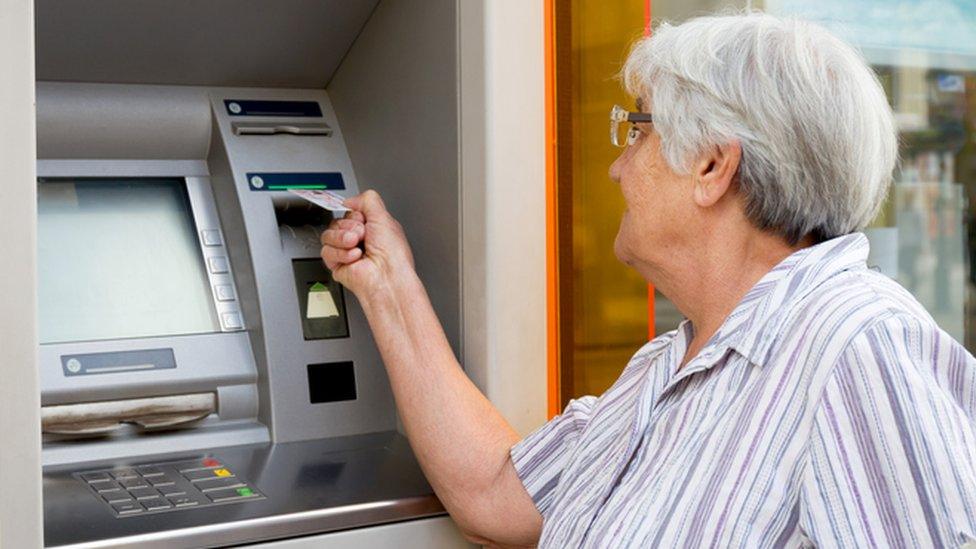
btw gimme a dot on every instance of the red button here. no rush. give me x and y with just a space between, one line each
211 462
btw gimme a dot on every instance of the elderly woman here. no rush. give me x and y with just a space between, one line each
807 399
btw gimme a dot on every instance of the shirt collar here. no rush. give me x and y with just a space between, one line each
751 328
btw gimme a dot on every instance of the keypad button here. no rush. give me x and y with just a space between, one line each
154 504
216 483
127 508
197 464
117 496
96 477
171 490
104 485
200 474
228 494
124 473
133 483
182 501
144 493
149 471
161 480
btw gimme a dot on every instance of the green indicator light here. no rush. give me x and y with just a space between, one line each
245 492
286 187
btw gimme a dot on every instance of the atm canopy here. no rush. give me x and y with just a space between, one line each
266 43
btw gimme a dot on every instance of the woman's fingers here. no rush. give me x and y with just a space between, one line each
343 235
334 257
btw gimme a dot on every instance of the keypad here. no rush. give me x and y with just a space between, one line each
162 487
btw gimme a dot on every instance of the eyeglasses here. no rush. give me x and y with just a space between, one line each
619 114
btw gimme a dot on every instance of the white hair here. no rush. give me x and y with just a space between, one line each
817 135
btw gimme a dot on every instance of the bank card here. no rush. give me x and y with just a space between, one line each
324 199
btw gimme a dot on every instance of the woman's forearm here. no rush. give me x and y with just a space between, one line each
460 439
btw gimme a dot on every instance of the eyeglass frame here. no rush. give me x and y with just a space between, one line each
619 114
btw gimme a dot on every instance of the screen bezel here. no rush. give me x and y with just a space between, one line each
201 356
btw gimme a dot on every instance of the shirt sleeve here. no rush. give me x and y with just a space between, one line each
893 447
541 457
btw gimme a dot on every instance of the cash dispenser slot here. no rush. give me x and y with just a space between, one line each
96 418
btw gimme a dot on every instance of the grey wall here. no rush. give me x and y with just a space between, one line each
396 98
262 43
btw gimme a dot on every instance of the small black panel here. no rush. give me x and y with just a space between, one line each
113 363
331 382
248 107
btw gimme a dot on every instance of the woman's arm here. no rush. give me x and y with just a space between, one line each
460 439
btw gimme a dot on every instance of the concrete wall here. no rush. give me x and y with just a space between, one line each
502 115
20 470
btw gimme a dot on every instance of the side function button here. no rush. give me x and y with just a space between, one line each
211 237
225 292
232 321
127 508
218 265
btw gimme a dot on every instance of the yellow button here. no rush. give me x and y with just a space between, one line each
223 473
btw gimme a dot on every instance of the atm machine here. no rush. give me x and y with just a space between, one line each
204 380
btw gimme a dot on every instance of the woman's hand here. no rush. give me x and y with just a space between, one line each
366 250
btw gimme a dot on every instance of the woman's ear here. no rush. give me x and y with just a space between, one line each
714 173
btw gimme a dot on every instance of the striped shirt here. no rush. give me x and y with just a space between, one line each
829 409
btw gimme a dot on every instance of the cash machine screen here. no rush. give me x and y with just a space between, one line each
119 258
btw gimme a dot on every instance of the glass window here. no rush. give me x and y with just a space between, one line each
119 258
603 304
925 55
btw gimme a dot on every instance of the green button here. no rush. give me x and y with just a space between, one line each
245 492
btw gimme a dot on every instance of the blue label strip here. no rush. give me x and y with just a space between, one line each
323 181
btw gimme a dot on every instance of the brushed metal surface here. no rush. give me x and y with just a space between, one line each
309 487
